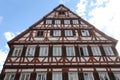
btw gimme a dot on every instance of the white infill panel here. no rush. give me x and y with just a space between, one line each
115 69
44 70
100 69
10 70
57 69
72 69
27 70
88 69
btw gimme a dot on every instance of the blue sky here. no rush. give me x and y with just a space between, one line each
18 15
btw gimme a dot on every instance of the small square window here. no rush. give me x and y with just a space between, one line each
40 33
48 21
75 21
62 13
66 22
57 22
56 32
85 33
68 33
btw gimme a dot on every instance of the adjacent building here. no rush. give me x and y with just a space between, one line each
62 46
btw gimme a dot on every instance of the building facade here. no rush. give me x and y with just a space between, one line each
62 46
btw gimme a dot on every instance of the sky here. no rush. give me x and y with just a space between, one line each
18 15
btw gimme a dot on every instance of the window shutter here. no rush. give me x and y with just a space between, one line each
64 51
37 51
33 76
102 50
50 51
17 76
77 51
80 76
51 32
11 51
90 51
62 33
24 51
49 76
96 76
111 76
65 76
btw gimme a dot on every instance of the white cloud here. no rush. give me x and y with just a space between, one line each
1 19
3 55
9 35
103 14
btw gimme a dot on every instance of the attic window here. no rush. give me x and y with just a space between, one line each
62 13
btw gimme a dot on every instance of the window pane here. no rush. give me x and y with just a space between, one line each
57 21
103 76
57 76
41 76
44 51
83 51
70 51
66 21
25 76
88 76
95 50
73 75
40 34
108 50
75 21
85 33
17 51
57 33
30 51
57 51
117 76
48 21
68 33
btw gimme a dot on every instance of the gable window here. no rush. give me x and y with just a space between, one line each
48 21
43 51
83 51
30 51
96 50
68 33
75 21
117 76
85 33
56 32
108 50
25 76
88 76
41 76
40 33
17 51
66 22
57 22
57 76
103 76
57 51
61 13
9 76
72 76
70 50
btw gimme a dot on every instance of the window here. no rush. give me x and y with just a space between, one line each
25 76
57 21
41 76
85 33
57 76
62 13
70 50
75 21
88 76
57 51
9 76
43 50
17 51
40 33
56 32
66 22
83 51
72 76
108 50
48 21
117 76
103 76
96 50
30 51
68 33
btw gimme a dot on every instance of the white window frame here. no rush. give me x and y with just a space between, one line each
41 76
43 51
9 76
48 21
117 75
58 22
57 51
70 50
25 76
84 49
66 22
96 50
103 76
57 76
68 33
88 76
85 33
56 32
108 50
72 76
75 21
17 51
30 51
